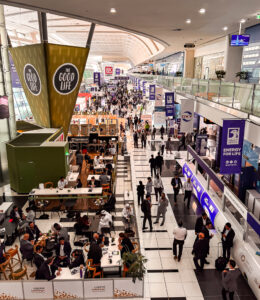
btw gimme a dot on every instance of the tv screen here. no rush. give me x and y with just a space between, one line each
240 40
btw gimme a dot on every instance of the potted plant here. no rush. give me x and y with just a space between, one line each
220 74
178 74
134 265
243 75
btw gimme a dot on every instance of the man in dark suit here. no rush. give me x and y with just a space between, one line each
33 231
39 259
228 235
47 270
63 250
93 183
200 249
146 209
26 247
159 163
177 185
208 235
201 222
95 251
16 214
229 280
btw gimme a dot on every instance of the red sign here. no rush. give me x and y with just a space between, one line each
109 70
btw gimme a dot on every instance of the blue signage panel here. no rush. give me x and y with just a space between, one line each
96 78
144 88
117 71
169 111
197 187
15 78
152 92
187 171
231 146
209 206
169 99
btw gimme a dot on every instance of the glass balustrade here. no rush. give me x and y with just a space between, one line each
226 93
213 90
203 89
256 101
243 97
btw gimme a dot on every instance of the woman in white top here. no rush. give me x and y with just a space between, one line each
180 235
158 186
187 191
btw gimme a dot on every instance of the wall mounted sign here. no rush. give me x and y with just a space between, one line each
32 79
108 70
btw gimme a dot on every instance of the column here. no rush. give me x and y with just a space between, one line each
189 63
232 61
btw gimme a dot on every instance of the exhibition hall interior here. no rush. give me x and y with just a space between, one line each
130 149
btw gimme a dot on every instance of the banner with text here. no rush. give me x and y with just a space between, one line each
152 92
117 71
144 88
187 115
169 99
169 111
97 78
231 146
158 96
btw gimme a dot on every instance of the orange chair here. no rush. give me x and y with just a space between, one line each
12 252
19 274
48 185
6 266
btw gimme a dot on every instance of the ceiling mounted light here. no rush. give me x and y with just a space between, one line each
202 11
242 21
225 28
188 21
112 10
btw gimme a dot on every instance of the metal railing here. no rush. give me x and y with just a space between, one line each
240 96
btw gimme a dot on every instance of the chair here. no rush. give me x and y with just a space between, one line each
6 266
105 188
19 274
93 270
12 253
48 185
98 172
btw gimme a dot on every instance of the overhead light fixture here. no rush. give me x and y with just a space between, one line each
112 10
202 11
225 28
242 21
188 21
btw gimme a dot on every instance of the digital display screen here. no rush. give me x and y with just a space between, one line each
240 40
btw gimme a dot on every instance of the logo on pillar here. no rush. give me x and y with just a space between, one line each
32 79
66 78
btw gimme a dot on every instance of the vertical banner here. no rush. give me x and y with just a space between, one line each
144 88
139 84
97 78
187 114
4 109
169 99
158 96
231 146
169 111
117 71
152 92
15 78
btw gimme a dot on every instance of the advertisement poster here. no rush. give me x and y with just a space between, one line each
152 92
117 71
209 206
11 290
108 70
4 110
127 288
97 78
159 96
68 290
169 99
15 78
197 187
232 146
98 289
169 111
250 154
187 114
38 289
201 144
144 88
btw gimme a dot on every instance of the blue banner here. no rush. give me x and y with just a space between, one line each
152 92
15 78
169 99
231 146
139 84
169 111
96 78
144 88
117 71
197 187
209 206
186 171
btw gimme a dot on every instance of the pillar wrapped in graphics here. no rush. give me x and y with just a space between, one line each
51 76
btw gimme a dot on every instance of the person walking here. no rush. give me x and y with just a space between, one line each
162 208
152 162
176 184
146 209
135 139
229 280
159 163
161 146
168 146
188 187
180 234
158 186
175 130
149 186
143 139
162 130
153 133
140 192
228 235
200 251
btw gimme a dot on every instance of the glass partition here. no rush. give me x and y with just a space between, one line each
256 102
226 93
186 85
213 91
203 89
194 86
177 83
243 96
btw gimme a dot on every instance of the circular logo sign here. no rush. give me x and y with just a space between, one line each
32 79
66 79
187 116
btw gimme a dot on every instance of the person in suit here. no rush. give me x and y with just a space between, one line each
208 235
200 222
125 245
229 280
16 214
162 208
77 259
63 250
47 270
159 163
93 183
33 231
95 251
26 247
111 202
200 250
60 232
39 259
146 209
228 235
177 185
152 163
140 192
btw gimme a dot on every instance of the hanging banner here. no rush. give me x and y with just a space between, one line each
209 207
97 78
117 71
231 146
144 88
152 92
201 144
159 96
169 99
187 114
15 78
4 109
169 111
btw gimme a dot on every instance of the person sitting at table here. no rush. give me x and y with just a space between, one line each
77 259
26 247
60 231
125 245
82 223
16 215
105 221
109 167
93 183
33 231
95 251
39 259
103 179
62 183
127 214
112 150
30 214
111 202
87 158
96 161
47 270
108 172
63 250
79 184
